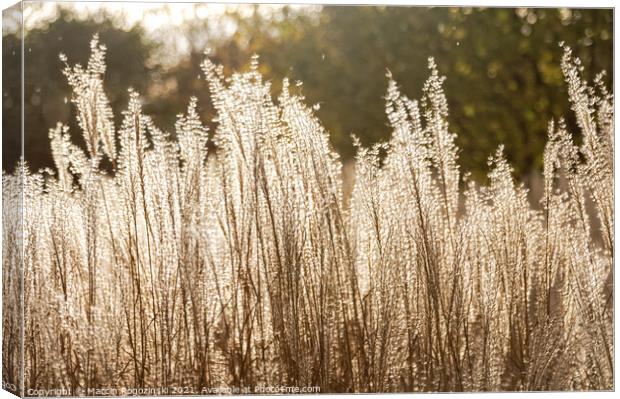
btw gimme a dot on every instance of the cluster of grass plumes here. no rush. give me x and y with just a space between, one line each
176 266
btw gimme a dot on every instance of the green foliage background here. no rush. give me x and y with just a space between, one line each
503 84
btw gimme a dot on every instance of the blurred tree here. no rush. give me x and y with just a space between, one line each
46 92
502 66
12 19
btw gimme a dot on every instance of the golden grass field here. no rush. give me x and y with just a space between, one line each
149 261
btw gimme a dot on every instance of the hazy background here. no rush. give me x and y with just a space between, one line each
503 84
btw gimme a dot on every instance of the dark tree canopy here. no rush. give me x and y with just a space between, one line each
502 65
46 92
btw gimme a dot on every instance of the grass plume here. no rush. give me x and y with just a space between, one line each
249 265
